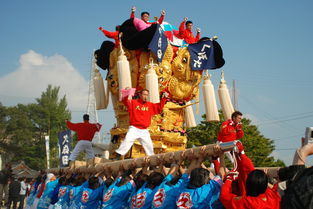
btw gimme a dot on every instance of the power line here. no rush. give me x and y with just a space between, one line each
285 149
292 115
265 114
290 119
287 137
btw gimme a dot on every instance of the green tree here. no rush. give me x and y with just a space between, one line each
21 137
257 147
4 142
23 128
50 113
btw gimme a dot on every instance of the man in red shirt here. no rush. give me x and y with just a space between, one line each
140 114
85 132
186 33
231 130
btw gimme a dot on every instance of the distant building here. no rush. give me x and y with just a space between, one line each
22 170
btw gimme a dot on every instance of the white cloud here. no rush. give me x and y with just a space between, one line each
36 72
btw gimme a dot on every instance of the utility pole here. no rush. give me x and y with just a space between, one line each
235 101
91 107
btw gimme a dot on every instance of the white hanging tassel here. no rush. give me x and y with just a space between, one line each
225 100
211 111
123 71
99 90
152 83
107 94
189 116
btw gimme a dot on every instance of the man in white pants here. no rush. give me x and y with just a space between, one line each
140 114
85 133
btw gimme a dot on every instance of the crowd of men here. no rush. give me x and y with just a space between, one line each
182 184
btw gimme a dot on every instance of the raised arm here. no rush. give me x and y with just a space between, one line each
182 27
161 19
108 33
158 107
245 166
302 153
198 35
227 197
72 126
132 14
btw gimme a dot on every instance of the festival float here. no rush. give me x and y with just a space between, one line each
157 59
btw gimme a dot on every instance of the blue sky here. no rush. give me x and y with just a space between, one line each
267 47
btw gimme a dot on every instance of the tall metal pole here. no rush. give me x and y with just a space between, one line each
235 95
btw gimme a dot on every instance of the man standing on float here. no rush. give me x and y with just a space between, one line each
140 114
231 130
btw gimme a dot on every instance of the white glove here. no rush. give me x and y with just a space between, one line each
165 95
198 30
133 9
163 12
185 19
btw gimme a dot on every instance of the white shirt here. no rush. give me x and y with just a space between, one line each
23 188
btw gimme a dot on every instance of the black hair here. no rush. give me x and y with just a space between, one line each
287 173
154 179
109 181
140 179
79 180
86 117
70 181
235 114
256 183
62 181
38 179
174 180
299 192
188 22
93 182
43 179
143 13
198 177
124 180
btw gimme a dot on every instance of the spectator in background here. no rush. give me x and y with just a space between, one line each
22 192
5 175
14 191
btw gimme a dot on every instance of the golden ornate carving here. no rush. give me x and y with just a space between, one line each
176 77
